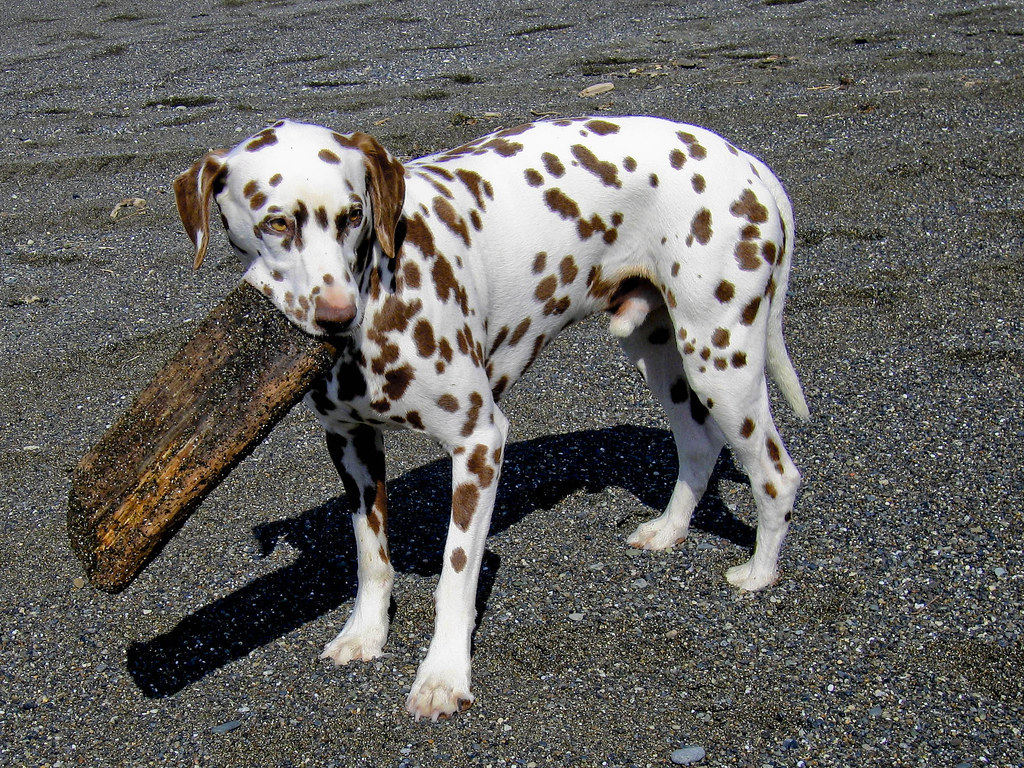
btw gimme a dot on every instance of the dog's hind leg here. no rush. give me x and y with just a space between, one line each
698 441
358 454
726 376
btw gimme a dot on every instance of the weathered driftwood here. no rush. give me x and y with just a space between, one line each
204 411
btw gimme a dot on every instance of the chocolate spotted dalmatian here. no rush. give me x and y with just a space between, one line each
446 276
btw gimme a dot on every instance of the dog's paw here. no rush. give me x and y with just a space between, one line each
657 534
750 580
354 646
438 697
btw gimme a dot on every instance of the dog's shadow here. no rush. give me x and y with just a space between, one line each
537 474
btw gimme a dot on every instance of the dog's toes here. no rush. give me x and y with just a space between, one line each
656 534
438 699
748 579
348 647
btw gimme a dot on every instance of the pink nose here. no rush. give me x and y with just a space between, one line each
333 314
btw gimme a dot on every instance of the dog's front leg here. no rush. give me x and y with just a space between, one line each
358 453
442 685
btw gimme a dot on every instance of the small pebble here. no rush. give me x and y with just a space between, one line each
576 617
230 725
688 755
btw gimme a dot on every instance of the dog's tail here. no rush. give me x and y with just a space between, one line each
780 367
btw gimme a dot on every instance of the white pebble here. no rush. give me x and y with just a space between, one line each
688 755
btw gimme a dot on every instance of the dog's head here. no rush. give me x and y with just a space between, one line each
309 211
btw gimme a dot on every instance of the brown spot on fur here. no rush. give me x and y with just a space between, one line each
750 311
699 185
769 488
395 314
546 288
476 403
694 147
773 449
423 335
419 235
720 338
464 500
768 251
479 466
328 157
725 291
499 388
444 348
561 204
607 172
553 165
265 138
374 522
411 274
533 177
746 256
602 127
503 146
653 180
701 226
519 332
446 285
739 359
458 559
474 183
677 158
448 403
539 262
451 219
748 428
748 207
568 270
276 179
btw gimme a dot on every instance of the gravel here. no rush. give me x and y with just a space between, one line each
894 637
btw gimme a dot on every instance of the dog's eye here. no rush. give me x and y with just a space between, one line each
276 224
355 216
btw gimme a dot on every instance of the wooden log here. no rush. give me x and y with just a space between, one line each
205 410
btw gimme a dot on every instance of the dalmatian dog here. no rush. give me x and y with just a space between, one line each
444 277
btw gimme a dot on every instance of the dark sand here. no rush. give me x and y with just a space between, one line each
895 635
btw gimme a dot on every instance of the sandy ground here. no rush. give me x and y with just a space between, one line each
895 635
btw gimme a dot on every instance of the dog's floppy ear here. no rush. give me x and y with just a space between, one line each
193 191
387 191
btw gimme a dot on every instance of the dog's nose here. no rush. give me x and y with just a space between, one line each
334 317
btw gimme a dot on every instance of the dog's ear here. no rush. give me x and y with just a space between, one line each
193 191
387 191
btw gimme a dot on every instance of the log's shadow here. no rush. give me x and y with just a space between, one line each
537 474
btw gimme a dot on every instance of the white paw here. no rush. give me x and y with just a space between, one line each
750 580
657 534
438 697
350 646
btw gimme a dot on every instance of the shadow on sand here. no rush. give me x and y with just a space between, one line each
537 474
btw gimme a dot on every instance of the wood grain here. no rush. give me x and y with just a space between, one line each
205 410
